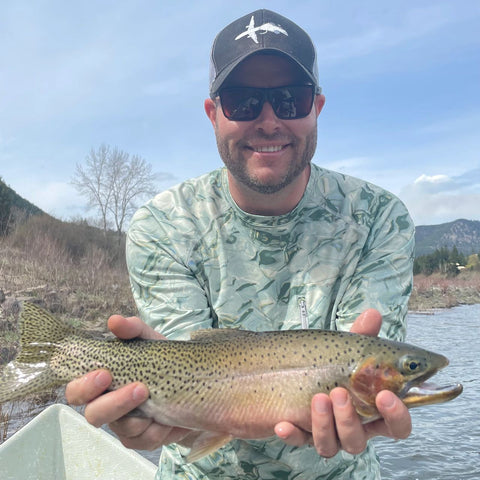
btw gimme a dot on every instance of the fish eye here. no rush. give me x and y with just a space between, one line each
411 365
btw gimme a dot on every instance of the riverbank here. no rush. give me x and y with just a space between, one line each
439 291
89 290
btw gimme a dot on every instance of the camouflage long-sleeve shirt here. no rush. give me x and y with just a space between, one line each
196 260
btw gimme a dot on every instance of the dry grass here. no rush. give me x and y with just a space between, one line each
84 284
86 289
5 415
73 271
440 291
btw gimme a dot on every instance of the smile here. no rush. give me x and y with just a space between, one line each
268 149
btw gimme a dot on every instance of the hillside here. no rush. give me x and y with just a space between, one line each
13 208
464 234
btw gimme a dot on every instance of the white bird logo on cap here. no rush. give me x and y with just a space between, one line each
251 31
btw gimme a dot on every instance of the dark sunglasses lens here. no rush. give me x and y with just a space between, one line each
241 103
244 103
292 102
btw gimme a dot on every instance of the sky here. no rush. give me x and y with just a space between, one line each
401 80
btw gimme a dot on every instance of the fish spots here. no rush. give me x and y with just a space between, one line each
270 370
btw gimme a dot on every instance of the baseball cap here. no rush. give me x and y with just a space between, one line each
261 31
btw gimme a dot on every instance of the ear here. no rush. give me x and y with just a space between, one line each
211 111
319 103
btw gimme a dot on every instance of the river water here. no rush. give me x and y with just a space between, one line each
445 442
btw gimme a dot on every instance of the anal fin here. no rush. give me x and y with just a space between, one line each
206 443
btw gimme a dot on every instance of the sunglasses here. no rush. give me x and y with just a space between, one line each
242 104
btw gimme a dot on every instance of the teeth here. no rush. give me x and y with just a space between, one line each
268 149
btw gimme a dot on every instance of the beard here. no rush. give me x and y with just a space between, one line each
236 164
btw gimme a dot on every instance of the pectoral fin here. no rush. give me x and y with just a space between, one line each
206 443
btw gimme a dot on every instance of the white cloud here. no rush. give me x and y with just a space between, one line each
432 183
440 198
442 208
431 179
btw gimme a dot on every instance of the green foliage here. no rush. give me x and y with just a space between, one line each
473 262
442 260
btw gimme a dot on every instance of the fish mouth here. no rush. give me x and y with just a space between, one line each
429 393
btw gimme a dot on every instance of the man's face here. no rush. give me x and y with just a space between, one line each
265 154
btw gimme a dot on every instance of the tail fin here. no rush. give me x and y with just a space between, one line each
30 372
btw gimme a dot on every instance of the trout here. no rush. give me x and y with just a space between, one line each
223 383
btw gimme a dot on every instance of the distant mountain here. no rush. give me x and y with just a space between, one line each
464 234
13 208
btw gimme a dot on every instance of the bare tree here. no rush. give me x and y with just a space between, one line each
112 181
91 181
130 178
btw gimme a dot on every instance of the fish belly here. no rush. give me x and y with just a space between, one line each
247 407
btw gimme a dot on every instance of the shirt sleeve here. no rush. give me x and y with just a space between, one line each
383 278
168 295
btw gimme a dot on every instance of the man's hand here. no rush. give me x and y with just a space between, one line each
335 423
111 407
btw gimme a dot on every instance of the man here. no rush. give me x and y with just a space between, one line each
269 242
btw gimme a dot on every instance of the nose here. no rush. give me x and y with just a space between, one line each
267 120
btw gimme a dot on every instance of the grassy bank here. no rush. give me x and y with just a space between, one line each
439 291
76 273
84 284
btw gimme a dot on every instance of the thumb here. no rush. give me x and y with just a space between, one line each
368 323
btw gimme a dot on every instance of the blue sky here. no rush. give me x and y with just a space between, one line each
401 79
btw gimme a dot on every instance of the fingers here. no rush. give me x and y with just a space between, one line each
130 426
336 425
132 327
111 406
350 431
291 434
106 408
102 408
323 426
153 435
368 323
396 422
90 386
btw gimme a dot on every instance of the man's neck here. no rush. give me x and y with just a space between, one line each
269 204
